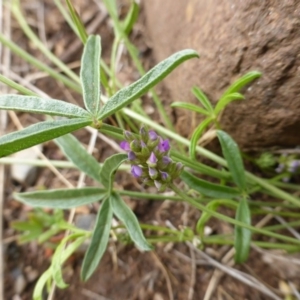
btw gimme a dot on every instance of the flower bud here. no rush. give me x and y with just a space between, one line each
178 169
152 160
165 177
153 173
135 146
144 149
163 145
164 162
144 134
129 137
131 156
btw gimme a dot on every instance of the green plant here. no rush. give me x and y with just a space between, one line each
151 158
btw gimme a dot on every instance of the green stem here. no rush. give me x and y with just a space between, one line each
201 207
16 86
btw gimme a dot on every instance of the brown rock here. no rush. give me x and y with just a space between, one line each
234 37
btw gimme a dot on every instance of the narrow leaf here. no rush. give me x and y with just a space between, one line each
46 276
233 157
196 136
127 217
39 105
224 101
78 155
212 205
191 107
128 94
77 21
208 189
242 236
203 99
56 265
131 18
90 74
109 168
241 82
62 198
38 133
98 242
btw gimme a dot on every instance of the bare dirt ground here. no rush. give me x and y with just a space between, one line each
171 271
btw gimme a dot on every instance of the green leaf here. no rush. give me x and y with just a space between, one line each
242 236
46 276
203 99
38 133
99 240
90 74
241 82
39 105
234 160
78 155
127 217
109 168
224 101
131 18
196 135
128 94
56 265
77 21
46 235
62 198
208 189
212 205
191 107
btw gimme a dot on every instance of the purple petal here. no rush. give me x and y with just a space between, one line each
152 158
152 135
125 146
143 145
136 171
166 160
164 145
164 175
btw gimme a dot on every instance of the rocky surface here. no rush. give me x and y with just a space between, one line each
234 37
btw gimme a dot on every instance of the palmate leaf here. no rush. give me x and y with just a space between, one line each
99 240
128 94
39 105
62 198
90 74
78 155
38 133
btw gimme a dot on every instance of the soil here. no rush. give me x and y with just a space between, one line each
171 271
233 38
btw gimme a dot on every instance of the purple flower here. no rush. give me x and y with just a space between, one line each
152 160
163 145
152 135
136 171
280 168
125 146
131 155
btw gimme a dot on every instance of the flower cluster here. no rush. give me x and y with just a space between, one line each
289 165
149 157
